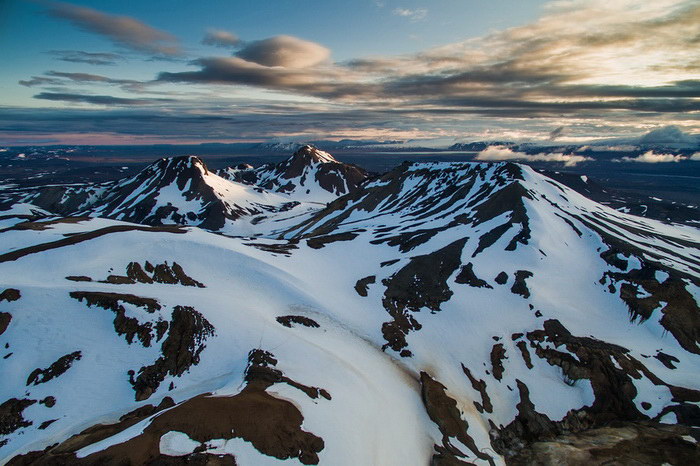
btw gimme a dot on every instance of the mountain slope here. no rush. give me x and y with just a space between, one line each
443 313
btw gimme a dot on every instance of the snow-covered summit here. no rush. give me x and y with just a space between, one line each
309 174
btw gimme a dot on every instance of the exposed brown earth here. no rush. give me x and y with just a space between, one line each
626 443
443 411
319 242
81 237
271 424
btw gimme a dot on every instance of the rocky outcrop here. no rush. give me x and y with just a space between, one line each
56 369
187 332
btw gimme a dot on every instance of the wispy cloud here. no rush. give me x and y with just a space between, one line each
220 38
96 99
91 58
502 153
58 78
416 14
122 30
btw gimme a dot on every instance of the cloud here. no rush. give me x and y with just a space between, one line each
122 30
87 77
219 38
96 99
502 153
416 14
567 64
58 78
668 135
555 133
91 58
652 157
40 81
284 51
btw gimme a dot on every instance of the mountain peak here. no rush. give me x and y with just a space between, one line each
310 154
179 164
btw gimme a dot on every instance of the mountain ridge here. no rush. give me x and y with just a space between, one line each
441 313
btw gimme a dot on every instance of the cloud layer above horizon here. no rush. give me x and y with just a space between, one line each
584 69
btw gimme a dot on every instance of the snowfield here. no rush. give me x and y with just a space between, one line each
441 312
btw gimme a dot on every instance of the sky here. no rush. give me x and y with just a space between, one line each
417 71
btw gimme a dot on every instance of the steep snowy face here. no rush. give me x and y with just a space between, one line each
312 175
180 191
442 313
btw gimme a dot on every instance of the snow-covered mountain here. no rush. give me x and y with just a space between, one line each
309 174
179 191
443 313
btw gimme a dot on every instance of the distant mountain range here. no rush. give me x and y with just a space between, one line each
308 312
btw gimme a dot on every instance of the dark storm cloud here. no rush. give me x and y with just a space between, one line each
122 30
219 38
95 99
91 58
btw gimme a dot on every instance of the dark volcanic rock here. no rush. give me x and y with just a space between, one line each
421 283
680 312
498 354
609 368
287 321
9 295
5 319
11 417
362 285
181 349
123 325
468 277
519 286
502 278
56 369
480 386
